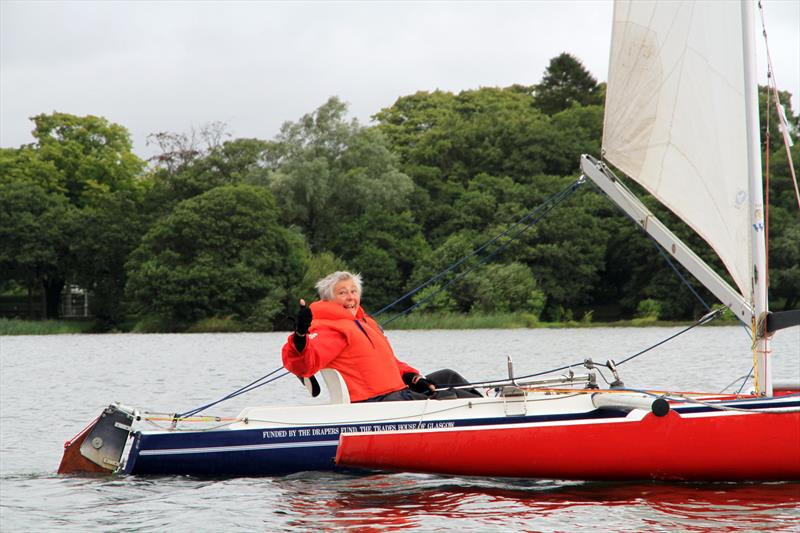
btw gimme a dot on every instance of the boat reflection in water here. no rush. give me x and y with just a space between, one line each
390 502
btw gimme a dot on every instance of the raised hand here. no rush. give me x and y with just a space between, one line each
303 320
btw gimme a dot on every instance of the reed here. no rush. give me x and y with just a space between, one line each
513 321
462 321
216 325
13 326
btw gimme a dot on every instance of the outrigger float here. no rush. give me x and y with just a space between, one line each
681 119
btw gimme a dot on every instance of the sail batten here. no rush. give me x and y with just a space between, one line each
675 117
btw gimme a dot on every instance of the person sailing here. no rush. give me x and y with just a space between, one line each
335 332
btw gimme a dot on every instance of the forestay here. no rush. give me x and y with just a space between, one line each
675 117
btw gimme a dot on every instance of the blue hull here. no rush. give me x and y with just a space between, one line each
275 451
266 452
229 453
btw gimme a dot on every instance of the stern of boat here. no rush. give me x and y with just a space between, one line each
98 447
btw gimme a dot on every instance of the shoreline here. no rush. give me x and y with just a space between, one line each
12 327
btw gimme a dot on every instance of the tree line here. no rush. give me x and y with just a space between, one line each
239 229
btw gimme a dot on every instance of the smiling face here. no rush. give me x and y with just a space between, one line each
345 293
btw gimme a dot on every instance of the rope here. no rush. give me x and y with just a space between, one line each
708 317
247 388
678 272
702 320
738 409
541 210
744 381
784 126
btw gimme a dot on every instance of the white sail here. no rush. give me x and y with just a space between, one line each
675 118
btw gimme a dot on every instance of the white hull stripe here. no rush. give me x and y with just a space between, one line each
633 417
245 448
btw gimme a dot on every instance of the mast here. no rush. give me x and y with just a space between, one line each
763 369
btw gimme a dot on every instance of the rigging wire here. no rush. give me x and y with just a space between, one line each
541 210
691 288
781 112
678 273
702 320
247 388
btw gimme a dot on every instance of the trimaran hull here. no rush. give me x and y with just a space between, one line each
540 435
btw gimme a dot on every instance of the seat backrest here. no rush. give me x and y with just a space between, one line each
337 388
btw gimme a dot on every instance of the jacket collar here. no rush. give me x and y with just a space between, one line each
333 311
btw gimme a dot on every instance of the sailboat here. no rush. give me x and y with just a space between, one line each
682 121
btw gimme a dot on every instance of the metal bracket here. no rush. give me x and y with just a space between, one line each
514 401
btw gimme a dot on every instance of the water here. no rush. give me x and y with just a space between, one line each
51 386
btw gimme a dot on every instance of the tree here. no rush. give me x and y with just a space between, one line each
330 171
384 247
319 266
769 115
35 243
92 156
181 149
74 165
578 130
230 163
446 141
106 238
222 253
566 81
505 288
784 262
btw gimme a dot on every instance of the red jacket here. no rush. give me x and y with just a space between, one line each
353 345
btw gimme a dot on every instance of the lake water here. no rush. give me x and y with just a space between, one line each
51 386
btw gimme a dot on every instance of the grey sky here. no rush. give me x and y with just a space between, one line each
170 66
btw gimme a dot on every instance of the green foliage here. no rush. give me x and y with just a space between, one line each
448 141
579 130
35 229
331 171
449 320
505 288
208 247
215 324
433 299
99 254
384 247
784 248
231 163
769 116
92 156
784 220
43 327
319 266
218 254
54 193
567 249
649 308
726 316
566 81
152 324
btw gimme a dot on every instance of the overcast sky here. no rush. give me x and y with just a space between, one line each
171 66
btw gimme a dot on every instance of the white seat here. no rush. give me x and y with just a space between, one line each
337 388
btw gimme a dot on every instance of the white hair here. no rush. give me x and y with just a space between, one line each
325 285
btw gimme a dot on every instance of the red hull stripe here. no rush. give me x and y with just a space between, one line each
752 446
